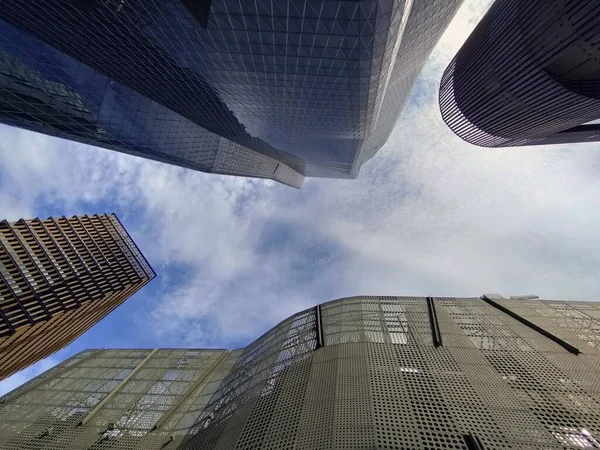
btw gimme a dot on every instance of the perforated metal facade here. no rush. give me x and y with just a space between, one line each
529 74
356 373
268 88
58 277
117 399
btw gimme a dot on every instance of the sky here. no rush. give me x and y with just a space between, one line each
428 215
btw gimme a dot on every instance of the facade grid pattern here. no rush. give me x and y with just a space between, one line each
529 74
378 381
273 89
58 277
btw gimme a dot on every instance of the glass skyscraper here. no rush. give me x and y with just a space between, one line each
278 89
362 373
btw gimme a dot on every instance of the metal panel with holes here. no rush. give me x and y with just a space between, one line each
391 373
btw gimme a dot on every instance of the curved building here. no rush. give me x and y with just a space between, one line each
277 89
355 373
529 74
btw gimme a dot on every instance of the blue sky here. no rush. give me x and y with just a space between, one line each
429 214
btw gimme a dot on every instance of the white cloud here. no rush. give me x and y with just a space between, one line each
37 169
429 214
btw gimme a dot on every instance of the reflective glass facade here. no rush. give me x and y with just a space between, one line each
265 88
529 74
356 373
